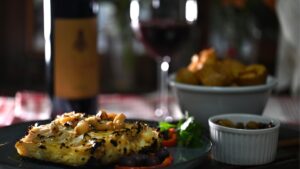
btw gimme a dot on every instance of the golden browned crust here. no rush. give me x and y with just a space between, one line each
73 139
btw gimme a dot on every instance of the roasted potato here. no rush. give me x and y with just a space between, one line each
184 75
233 66
252 75
207 56
206 69
213 75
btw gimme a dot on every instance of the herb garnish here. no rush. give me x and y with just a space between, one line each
188 130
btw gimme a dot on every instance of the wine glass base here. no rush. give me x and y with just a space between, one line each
163 114
169 118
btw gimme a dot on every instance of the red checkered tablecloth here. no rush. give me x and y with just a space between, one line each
28 106
7 106
25 106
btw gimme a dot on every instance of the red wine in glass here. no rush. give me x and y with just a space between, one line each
163 37
163 26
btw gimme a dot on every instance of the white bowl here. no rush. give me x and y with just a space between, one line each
243 146
205 101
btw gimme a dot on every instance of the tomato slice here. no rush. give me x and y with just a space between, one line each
172 141
167 162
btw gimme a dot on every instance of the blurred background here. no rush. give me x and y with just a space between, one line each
244 29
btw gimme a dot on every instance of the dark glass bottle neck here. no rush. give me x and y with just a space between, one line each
72 8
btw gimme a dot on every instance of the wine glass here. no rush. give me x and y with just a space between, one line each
163 26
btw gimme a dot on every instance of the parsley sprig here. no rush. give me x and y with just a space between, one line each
189 132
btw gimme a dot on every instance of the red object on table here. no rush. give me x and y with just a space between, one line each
167 162
32 106
25 106
7 106
172 140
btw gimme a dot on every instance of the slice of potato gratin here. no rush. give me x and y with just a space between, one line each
75 139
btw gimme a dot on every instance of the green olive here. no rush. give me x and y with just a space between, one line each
226 123
249 125
252 125
240 125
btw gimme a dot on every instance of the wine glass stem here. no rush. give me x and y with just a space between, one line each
163 109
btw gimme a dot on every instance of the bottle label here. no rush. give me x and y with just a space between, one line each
76 64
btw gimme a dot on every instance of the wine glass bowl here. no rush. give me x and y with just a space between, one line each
163 27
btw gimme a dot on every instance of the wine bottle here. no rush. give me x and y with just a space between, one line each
72 64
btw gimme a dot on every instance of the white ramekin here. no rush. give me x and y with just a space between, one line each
243 146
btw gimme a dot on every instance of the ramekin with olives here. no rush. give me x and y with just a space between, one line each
243 139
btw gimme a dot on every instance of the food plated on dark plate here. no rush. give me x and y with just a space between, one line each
74 140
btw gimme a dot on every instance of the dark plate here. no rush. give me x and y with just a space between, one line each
9 159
